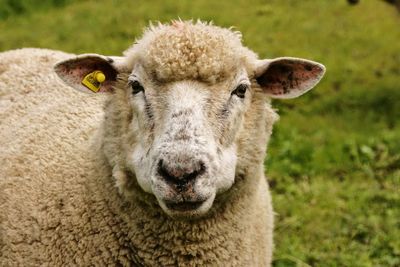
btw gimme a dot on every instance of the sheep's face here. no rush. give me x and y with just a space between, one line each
185 152
184 111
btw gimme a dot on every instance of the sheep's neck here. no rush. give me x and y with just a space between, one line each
202 241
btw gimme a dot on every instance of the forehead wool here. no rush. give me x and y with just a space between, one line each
185 50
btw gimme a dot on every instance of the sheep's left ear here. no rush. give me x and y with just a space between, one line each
90 73
288 77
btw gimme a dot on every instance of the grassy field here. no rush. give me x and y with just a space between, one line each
334 159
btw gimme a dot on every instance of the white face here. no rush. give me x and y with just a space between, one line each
186 153
184 89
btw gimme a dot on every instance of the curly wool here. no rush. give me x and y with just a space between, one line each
59 202
185 50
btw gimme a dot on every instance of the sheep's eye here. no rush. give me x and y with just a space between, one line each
136 87
240 91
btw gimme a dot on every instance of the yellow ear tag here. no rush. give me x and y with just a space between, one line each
94 80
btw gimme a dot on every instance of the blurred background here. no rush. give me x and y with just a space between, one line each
334 159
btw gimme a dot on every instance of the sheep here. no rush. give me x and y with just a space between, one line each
168 173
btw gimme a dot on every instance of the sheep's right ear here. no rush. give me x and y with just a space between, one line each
90 73
288 77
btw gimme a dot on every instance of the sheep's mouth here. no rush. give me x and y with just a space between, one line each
188 208
184 206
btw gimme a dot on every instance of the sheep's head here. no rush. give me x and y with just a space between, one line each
189 110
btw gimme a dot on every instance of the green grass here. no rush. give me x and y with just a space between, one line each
334 159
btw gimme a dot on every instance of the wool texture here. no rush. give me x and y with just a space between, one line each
66 196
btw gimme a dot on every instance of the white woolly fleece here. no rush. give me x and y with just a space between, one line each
60 206
69 193
198 51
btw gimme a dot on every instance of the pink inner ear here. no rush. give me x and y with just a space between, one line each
289 77
73 71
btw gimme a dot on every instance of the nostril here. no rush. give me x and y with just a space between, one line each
178 175
163 172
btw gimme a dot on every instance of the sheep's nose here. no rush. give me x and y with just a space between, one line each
180 176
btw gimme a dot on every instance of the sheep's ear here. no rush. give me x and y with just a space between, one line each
288 77
90 73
